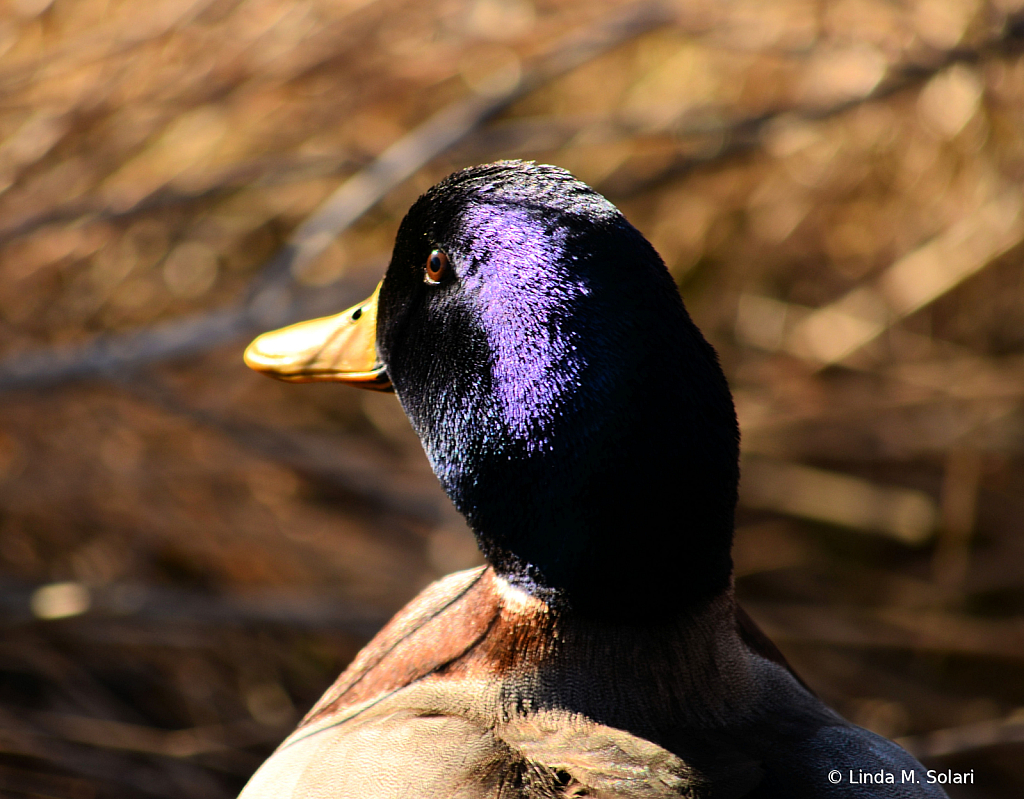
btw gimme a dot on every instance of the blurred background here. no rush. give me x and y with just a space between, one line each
190 553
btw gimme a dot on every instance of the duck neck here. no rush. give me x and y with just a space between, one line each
575 415
619 500
690 668
631 519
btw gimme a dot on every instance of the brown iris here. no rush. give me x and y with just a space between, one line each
437 266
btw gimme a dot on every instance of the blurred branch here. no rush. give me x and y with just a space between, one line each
892 628
259 173
22 604
832 333
110 355
966 377
270 299
939 368
33 783
116 356
902 514
519 134
737 137
166 780
438 134
110 734
327 459
894 431
112 38
969 737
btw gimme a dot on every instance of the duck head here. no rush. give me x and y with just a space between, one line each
571 409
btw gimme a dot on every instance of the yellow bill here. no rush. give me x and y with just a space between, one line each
340 348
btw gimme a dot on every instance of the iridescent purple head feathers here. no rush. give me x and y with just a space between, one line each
561 391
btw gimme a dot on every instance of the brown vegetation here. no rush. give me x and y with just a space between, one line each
189 553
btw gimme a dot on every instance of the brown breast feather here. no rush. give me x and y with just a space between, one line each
458 627
465 627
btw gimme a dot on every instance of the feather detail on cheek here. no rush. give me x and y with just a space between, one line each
525 300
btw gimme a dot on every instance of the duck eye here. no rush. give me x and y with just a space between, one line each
437 266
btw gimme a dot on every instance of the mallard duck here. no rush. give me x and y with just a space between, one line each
578 419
